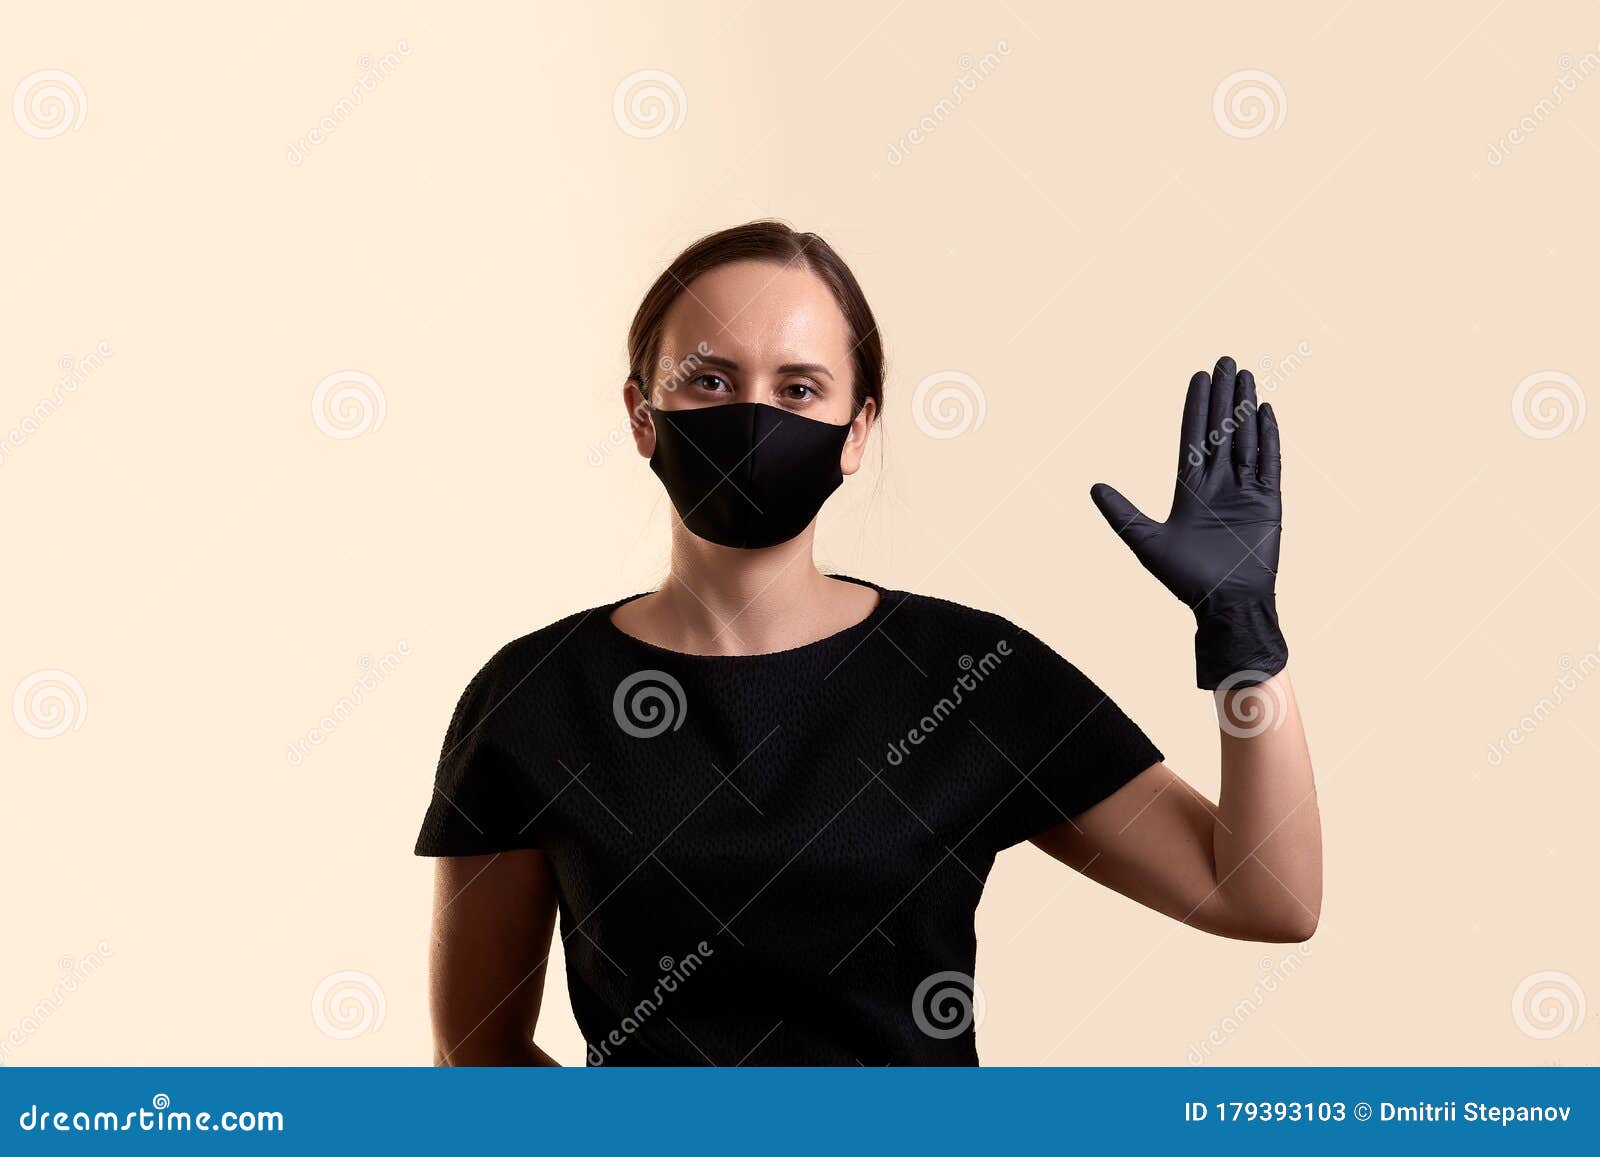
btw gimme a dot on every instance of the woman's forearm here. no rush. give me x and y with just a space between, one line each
1267 838
510 1053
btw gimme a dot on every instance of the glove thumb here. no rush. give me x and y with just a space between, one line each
1125 518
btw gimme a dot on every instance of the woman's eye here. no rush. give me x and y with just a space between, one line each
801 391
710 382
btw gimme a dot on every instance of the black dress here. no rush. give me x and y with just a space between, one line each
776 859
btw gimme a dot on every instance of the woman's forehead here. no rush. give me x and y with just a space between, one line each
761 311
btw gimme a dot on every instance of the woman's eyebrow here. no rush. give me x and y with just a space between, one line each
710 360
786 368
805 368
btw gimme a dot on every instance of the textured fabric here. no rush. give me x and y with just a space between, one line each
776 859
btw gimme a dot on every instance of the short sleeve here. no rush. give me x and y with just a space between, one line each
481 792
1076 745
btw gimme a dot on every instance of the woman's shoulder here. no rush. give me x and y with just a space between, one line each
941 615
546 651
931 624
1036 675
1010 636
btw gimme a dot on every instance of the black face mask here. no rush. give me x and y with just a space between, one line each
746 474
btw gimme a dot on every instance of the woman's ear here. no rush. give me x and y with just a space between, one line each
640 421
855 443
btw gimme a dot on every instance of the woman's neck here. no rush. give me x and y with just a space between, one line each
720 601
726 601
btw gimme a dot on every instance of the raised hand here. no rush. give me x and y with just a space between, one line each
1218 548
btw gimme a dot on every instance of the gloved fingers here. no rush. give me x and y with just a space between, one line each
1192 450
1125 518
1244 419
1218 427
1270 455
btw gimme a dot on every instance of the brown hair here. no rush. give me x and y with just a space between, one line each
761 241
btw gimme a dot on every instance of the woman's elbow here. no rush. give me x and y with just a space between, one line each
1264 925
1288 928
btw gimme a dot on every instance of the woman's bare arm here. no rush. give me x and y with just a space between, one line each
493 917
1249 867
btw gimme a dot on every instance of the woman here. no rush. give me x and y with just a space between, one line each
763 800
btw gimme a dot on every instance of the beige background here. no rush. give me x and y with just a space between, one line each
1077 234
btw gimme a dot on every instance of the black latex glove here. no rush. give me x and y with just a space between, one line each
1218 549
